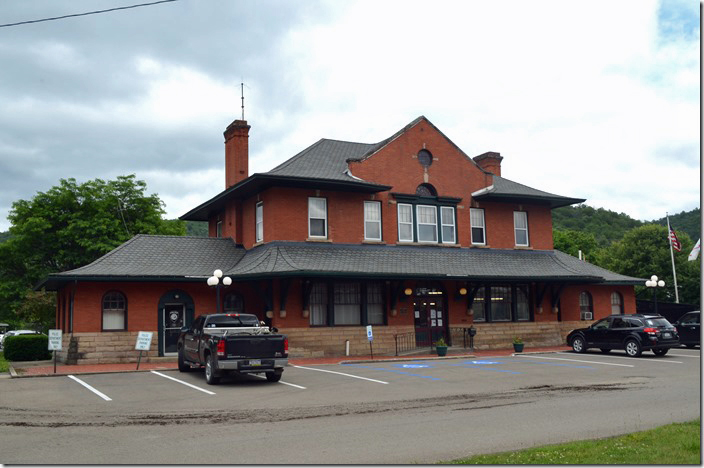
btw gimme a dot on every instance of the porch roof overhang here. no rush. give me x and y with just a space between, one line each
258 182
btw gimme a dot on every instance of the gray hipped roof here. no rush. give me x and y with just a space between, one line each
506 190
171 258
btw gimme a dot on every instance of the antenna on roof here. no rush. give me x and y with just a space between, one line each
242 88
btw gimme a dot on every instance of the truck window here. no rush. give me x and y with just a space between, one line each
232 320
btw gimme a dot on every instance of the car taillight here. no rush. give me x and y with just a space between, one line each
286 346
651 331
221 348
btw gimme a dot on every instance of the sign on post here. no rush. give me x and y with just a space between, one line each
54 340
144 342
370 337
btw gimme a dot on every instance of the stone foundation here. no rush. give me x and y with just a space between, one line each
103 348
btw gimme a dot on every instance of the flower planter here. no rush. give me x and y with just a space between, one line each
441 350
518 347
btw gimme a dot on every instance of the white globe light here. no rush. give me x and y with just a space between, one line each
212 281
654 279
218 274
649 283
661 283
227 281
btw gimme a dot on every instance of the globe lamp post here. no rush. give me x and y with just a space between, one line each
216 281
654 283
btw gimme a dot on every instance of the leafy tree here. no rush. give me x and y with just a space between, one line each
69 226
37 310
645 251
687 221
197 228
571 242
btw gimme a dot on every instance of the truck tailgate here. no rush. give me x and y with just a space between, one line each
255 346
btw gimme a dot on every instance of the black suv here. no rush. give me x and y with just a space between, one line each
688 329
633 333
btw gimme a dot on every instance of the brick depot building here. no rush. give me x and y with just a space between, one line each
409 235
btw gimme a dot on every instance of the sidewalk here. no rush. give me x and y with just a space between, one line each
46 368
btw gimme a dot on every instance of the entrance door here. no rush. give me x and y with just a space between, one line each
174 315
430 320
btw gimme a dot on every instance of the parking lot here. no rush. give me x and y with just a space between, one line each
330 395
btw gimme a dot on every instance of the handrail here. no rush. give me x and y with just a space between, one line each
405 342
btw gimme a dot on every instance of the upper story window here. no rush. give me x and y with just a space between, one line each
426 190
372 220
447 219
520 226
405 223
317 217
425 158
476 216
259 224
114 311
218 229
427 223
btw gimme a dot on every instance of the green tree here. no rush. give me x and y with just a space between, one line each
69 226
645 251
571 242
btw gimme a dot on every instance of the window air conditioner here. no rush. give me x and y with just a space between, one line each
587 316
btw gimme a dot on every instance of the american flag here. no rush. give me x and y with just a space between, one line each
675 241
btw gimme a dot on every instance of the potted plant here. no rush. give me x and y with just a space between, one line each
441 347
518 344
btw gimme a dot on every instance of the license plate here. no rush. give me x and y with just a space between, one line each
667 335
255 362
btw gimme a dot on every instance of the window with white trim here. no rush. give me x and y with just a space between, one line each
372 220
427 223
218 229
317 217
616 303
476 216
259 222
114 311
405 223
520 226
447 218
586 307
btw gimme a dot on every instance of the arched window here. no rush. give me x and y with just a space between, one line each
114 311
426 190
586 306
616 303
233 304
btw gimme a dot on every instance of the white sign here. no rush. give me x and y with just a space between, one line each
370 337
144 341
54 340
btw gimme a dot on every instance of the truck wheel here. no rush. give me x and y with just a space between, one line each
211 376
661 351
182 366
274 376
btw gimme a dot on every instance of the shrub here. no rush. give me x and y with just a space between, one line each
26 348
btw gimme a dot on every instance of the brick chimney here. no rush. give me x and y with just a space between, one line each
490 162
236 152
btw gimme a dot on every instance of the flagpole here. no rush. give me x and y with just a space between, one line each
672 256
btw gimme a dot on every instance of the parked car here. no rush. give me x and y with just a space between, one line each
15 333
688 329
633 333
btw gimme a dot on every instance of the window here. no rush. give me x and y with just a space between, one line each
372 220
447 214
347 304
476 216
218 229
317 217
425 158
500 305
319 304
259 224
375 304
586 309
114 311
427 223
426 190
479 305
520 225
233 304
616 303
405 223
522 305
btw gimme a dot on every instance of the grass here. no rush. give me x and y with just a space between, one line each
4 365
674 444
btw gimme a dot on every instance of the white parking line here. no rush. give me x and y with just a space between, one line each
532 356
341 373
100 394
655 359
280 381
182 382
685 355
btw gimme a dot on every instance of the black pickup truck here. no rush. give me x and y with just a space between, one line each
236 343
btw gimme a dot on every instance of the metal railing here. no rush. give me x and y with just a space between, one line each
405 342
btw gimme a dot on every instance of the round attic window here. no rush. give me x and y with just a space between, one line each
425 158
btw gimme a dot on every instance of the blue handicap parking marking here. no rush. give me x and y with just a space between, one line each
483 362
413 366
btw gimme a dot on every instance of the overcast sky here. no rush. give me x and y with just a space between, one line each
597 100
